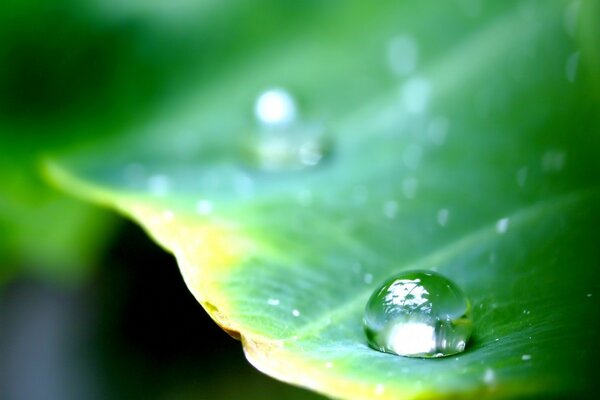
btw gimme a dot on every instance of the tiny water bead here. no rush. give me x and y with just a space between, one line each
418 314
284 141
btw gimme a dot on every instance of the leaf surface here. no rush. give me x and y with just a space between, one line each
481 164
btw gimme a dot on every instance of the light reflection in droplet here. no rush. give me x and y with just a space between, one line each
402 55
571 67
415 95
412 156
275 107
437 129
442 216
204 207
522 176
390 209
553 160
409 187
159 185
502 225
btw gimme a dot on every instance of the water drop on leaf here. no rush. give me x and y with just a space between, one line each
418 314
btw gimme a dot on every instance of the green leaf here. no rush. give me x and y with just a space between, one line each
480 165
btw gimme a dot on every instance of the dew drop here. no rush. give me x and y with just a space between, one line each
412 156
158 185
295 313
273 302
571 67
390 209
402 55
275 107
526 357
284 141
437 129
204 207
522 176
553 160
502 225
489 376
418 314
415 95
409 187
442 216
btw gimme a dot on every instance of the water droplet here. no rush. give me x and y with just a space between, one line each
402 55
571 67
295 313
415 95
502 225
158 185
390 209
204 207
283 141
526 357
442 216
522 176
418 314
553 160
275 107
412 156
437 129
489 376
409 187
273 302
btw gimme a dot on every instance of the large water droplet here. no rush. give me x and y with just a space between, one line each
418 314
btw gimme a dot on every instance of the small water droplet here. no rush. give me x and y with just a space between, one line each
489 376
553 160
283 140
442 216
390 209
571 67
412 156
275 107
502 225
418 314
415 95
522 176
273 302
437 129
204 207
402 55
360 194
304 197
526 357
295 313
409 187
159 185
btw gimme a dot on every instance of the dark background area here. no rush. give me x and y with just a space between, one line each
135 332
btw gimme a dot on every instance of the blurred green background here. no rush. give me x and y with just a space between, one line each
89 306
